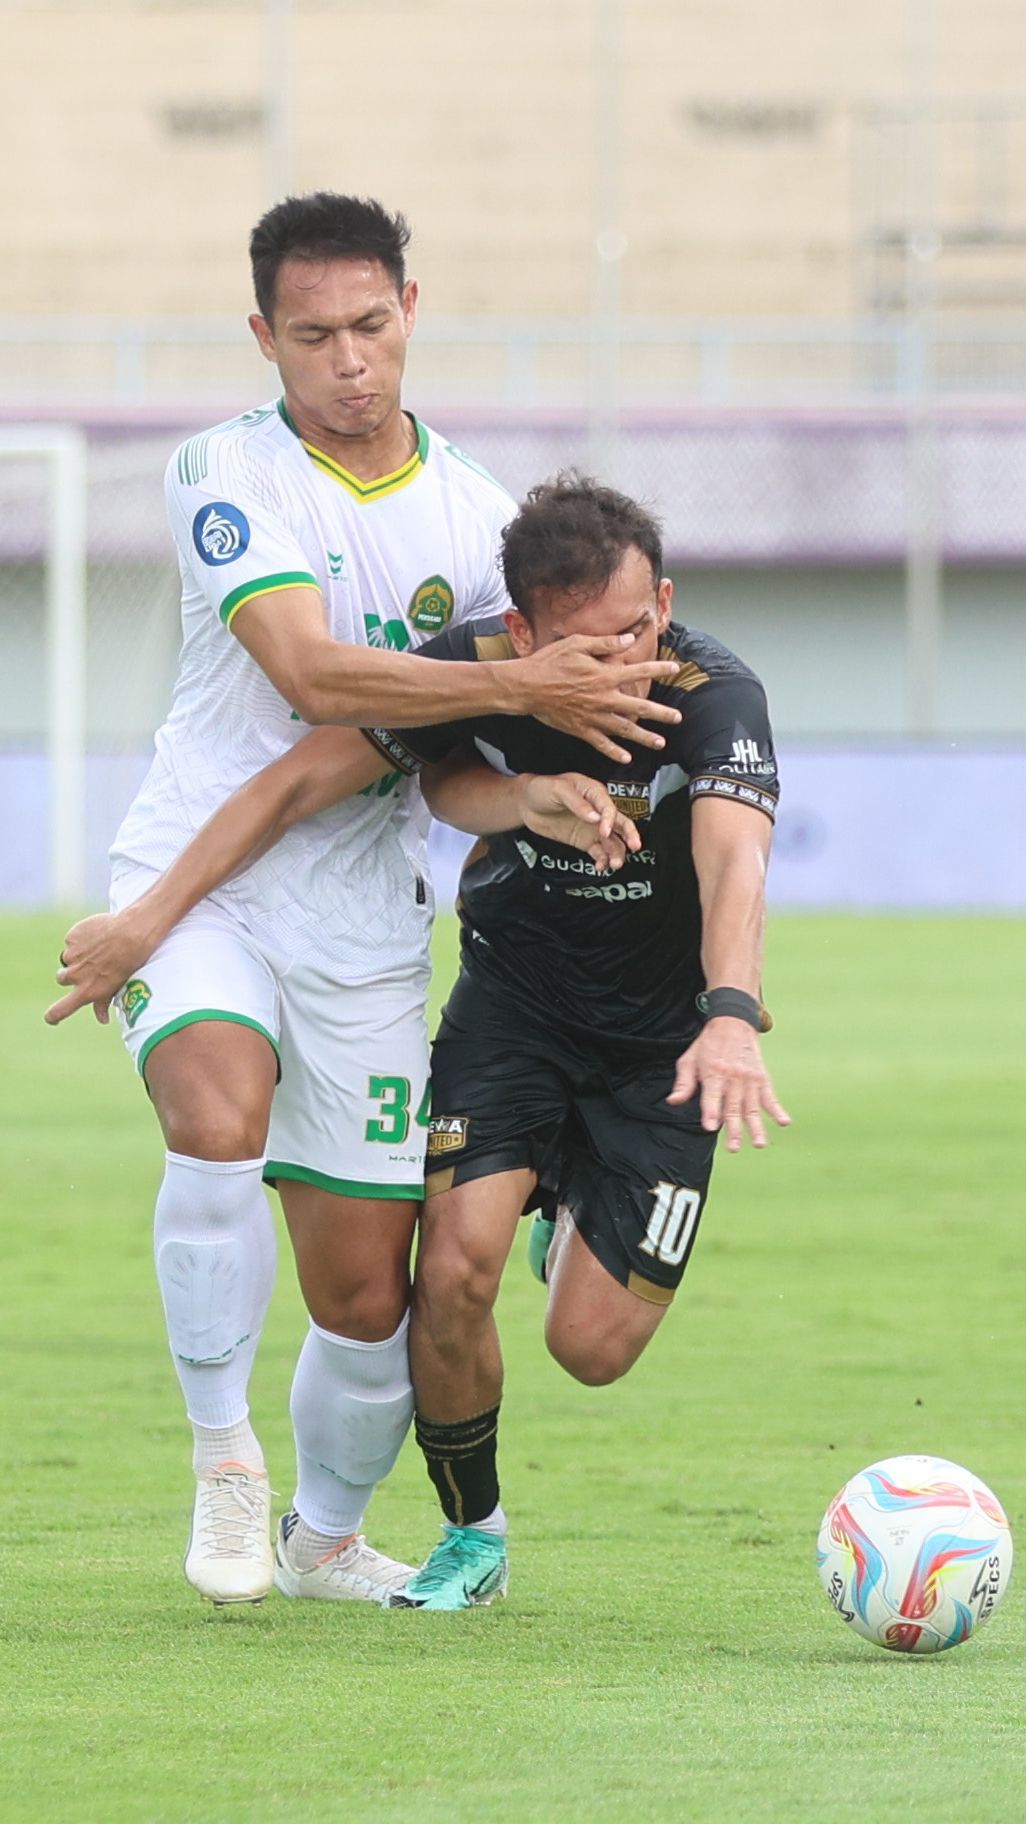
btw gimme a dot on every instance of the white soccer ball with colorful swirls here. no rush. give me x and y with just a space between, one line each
915 1553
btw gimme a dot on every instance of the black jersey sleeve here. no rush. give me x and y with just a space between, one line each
409 749
725 743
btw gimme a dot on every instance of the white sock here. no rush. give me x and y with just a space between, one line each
214 1445
307 1546
351 1408
216 1256
495 1522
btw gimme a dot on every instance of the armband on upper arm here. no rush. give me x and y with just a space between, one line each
742 791
393 749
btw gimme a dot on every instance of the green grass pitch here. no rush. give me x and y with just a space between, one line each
666 1651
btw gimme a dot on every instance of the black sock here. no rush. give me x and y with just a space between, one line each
461 1463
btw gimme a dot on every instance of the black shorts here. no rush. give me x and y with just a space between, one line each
509 1094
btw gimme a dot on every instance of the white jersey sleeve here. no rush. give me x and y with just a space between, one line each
491 596
484 510
233 531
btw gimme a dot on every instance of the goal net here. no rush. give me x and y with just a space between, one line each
90 631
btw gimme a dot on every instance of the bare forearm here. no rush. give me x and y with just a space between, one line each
730 845
364 687
473 798
322 769
733 925
588 687
236 836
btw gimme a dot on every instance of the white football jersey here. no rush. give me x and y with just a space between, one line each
254 509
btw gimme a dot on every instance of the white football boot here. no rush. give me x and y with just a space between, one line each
229 1558
353 1572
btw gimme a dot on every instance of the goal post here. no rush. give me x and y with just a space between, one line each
62 448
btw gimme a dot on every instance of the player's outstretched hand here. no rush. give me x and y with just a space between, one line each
725 1063
578 811
589 687
97 957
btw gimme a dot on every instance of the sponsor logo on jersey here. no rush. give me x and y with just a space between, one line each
631 796
431 605
578 864
527 853
745 753
614 895
393 636
746 759
220 533
336 563
447 1134
382 788
135 995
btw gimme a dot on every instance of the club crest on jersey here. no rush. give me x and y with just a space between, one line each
135 995
631 796
431 605
447 1134
220 532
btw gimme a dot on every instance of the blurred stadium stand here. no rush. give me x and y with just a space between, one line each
768 271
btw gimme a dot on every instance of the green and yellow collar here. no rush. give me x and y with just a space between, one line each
365 490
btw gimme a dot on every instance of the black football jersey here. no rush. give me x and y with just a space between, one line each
616 956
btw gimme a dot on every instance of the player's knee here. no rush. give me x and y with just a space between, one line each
368 1309
454 1289
218 1131
592 1368
595 1361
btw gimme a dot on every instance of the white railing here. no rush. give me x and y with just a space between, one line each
530 363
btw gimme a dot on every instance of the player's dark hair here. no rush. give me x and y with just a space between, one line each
572 534
325 226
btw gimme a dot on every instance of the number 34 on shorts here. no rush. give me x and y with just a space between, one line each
389 1101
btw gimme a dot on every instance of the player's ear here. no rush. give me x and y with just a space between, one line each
664 603
411 292
264 335
520 632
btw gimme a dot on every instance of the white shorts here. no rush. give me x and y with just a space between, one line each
351 1109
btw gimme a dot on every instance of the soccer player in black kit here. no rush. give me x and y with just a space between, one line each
601 1030
604 1026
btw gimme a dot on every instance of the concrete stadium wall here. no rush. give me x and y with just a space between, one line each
755 154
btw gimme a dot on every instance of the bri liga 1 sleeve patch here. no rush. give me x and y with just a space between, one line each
220 533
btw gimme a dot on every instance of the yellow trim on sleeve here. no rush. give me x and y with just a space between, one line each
264 585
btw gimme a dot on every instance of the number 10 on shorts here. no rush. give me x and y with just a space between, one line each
672 1223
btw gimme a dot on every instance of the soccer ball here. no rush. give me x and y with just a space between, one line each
915 1553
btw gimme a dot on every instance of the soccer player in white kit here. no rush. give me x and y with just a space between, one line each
280 1028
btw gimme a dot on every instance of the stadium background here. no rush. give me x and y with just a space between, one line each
768 268
779 295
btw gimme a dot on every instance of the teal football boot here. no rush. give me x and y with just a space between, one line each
468 1567
539 1241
